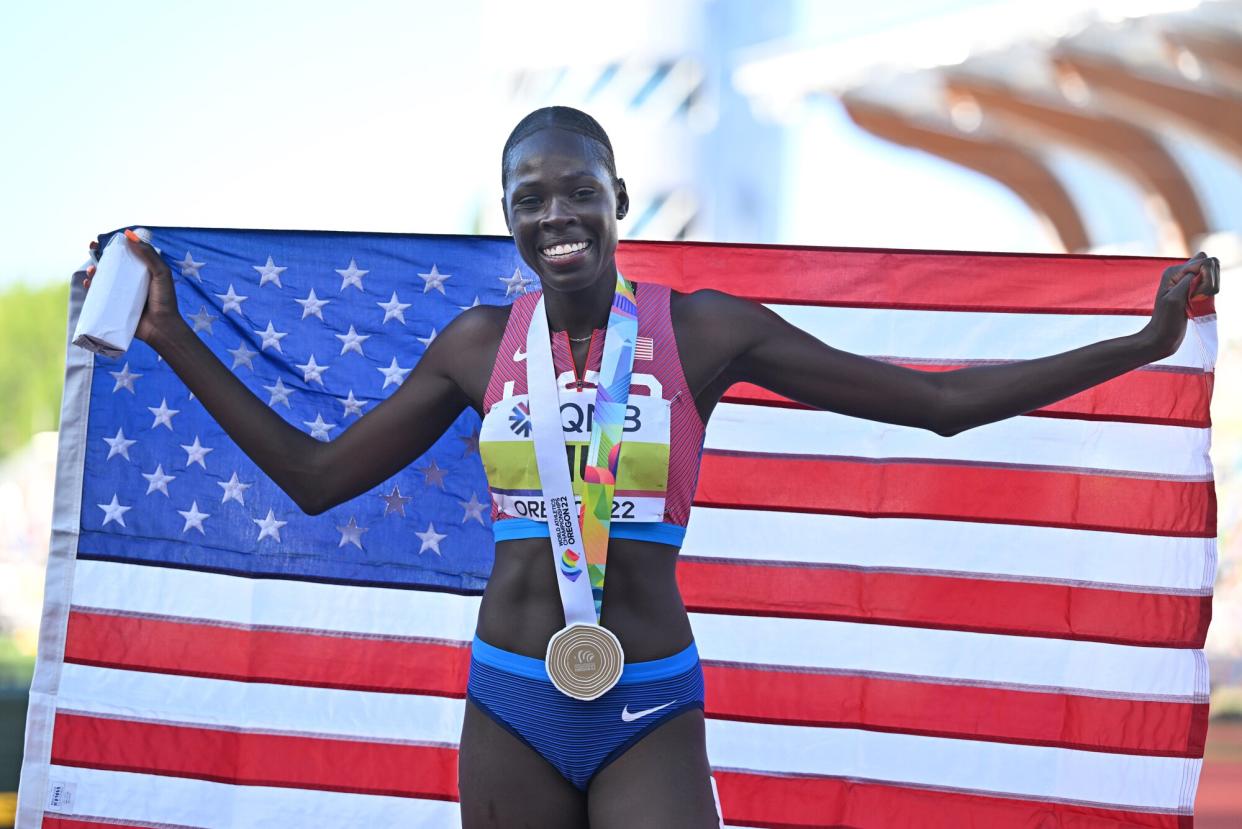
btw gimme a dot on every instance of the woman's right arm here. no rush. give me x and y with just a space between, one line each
317 475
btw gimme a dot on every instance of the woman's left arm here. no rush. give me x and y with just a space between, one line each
769 352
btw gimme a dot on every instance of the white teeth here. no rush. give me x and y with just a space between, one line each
564 250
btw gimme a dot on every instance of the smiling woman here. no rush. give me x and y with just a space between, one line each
562 197
585 694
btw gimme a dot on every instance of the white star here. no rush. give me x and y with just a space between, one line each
119 445
434 280
232 300
433 475
319 427
352 341
280 393
312 371
312 305
114 512
269 273
351 533
394 374
124 379
395 501
189 267
428 340
195 453
353 406
157 480
515 284
242 356
471 305
351 275
202 319
269 527
163 414
271 337
394 309
472 443
431 540
193 518
473 508
234 490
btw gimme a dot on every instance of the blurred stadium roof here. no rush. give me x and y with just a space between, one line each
1026 93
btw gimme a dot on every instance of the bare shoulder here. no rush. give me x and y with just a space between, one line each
708 315
708 307
466 349
478 324
705 302
712 329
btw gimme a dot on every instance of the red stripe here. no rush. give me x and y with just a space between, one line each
1003 715
734 692
50 822
959 492
947 602
252 759
1166 398
258 655
774 802
931 280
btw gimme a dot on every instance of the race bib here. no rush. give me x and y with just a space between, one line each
508 450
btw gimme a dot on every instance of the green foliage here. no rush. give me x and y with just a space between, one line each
32 361
16 667
1227 702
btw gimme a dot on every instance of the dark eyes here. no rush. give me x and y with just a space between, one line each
532 201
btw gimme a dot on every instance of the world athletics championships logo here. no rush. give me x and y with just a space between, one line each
519 420
569 565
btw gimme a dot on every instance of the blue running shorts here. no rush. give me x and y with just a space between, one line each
579 738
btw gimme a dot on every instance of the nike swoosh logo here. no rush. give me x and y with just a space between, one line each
519 356
638 715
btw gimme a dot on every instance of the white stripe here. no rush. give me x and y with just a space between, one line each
1153 783
217 703
1141 448
1015 551
276 602
183 802
974 335
1094 667
1148 782
953 655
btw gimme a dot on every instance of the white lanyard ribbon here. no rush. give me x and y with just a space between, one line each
569 557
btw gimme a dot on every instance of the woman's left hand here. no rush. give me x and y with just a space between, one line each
1198 275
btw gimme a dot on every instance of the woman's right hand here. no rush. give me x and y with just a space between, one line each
160 310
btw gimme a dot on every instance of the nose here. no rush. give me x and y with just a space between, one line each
558 216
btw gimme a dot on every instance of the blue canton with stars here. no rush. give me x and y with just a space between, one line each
321 326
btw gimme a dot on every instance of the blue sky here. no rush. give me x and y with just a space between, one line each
305 114
378 116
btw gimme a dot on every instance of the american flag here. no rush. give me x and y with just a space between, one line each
999 629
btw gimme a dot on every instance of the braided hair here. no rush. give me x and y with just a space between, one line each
565 118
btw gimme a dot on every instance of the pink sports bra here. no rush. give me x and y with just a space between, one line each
664 427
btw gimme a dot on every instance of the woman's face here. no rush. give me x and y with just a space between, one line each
562 206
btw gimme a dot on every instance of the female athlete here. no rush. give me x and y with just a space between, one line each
530 755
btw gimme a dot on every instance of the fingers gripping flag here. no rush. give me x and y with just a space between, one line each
995 629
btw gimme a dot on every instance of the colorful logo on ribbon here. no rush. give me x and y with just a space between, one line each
570 568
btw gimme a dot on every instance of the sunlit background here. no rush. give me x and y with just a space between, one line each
954 124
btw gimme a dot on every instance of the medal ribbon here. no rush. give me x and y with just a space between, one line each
580 543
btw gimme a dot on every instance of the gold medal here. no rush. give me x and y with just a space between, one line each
584 661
